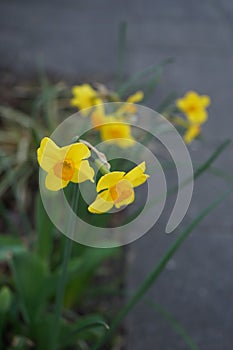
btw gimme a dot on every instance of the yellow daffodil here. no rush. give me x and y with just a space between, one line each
84 96
64 164
117 189
117 132
112 127
194 106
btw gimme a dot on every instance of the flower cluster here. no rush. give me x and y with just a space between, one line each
194 107
84 96
70 164
112 127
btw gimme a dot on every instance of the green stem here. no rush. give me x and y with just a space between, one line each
101 167
63 279
1 330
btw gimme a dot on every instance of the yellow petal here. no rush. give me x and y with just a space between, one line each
102 203
124 143
83 173
138 96
205 100
197 117
48 154
124 193
109 180
192 132
136 176
76 152
83 90
54 183
181 104
191 95
117 133
98 116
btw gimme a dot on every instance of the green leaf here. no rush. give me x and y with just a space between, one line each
154 69
44 229
80 272
70 333
174 324
153 276
30 275
9 246
167 102
16 116
5 299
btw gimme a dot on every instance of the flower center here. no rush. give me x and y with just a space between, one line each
192 108
115 132
121 191
64 169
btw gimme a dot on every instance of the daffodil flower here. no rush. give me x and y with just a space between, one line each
117 132
194 106
112 128
117 189
84 96
64 164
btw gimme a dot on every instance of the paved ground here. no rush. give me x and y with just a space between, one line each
77 39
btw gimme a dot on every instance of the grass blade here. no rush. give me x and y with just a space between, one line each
174 324
154 69
121 51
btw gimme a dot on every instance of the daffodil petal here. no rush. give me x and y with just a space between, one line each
197 117
76 152
125 193
48 154
101 204
54 183
109 180
181 104
124 143
192 132
83 173
138 96
205 100
117 133
136 176
126 201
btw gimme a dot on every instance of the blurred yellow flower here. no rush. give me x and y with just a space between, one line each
98 116
84 96
194 106
136 97
117 189
129 106
117 132
192 132
64 164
